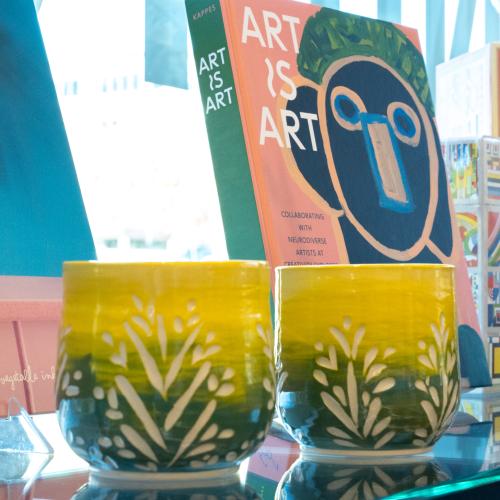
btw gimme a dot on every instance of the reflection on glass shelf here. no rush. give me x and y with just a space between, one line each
16 467
18 471
18 434
230 488
64 460
375 478
466 456
24 452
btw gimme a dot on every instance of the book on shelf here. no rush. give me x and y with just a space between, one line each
324 145
473 167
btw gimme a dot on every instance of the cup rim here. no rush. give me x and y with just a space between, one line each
165 264
398 265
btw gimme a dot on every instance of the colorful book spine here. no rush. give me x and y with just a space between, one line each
225 132
473 166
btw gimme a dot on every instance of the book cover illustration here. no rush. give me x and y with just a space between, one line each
475 282
493 239
462 171
339 136
494 299
468 228
492 154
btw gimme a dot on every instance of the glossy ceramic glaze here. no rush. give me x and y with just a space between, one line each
367 357
234 492
165 368
362 479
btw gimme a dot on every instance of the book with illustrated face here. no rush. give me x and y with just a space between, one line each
324 143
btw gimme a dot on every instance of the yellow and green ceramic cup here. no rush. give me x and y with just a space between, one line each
367 357
165 367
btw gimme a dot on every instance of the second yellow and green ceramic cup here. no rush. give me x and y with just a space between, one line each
367 357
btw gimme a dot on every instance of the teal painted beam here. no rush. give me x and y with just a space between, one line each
42 216
166 43
463 27
492 23
332 4
389 10
434 38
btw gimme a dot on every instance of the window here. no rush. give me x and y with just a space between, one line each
142 153
140 150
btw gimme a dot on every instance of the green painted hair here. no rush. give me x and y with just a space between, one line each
331 35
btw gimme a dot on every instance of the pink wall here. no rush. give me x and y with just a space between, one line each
29 316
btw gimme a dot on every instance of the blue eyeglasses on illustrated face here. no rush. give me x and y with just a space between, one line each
381 134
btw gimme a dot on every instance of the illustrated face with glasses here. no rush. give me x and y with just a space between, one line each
378 164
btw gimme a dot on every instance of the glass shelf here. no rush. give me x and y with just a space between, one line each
24 451
467 456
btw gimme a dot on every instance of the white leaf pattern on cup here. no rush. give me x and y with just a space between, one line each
440 360
199 441
344 402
